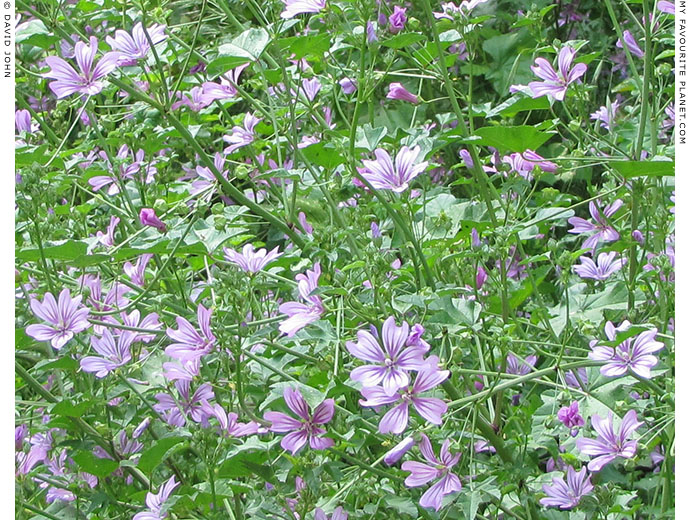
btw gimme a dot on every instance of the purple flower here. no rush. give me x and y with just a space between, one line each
65 317
349 86
371 33
228 84
139 430
391 362
108 238
609 444
567 495
189 343
176 414
241 135
483 446
155 502
310 88
605 115
524 163
147 217
114 353
602 269
666 7
517 367
305 428
302 314
632 353
556 84
295 7
22 122
397 91
196 99
430 408
450 9
631 44
421 473
207 179
382 175
137 272
603 231
136 46
397 20
185 371
396 452
249 260
572 381
126 171
338 514
88 80
570 415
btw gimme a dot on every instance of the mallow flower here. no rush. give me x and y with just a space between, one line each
610 445
63 318
397 91
438 468
249 260
189 344
302 314
89 79
430 408
392 357
114 353
635 353
555 84
304 429
295 7
566 495
241 135
383 175
603 231
136 46
604 267
156 502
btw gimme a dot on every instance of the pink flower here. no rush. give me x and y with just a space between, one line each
523 164
65 317
147 217
306 427
397 91
88 80
228 84
631 44
570 415
556 84
421 473
349 86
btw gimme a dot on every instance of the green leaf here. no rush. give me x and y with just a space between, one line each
63 363
88 462
518 104
400 41
65 250
630 169
323 156
302 46
512 138
369 137
246 47
67 409
403 505
152 457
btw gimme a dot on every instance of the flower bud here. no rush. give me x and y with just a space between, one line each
396 453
